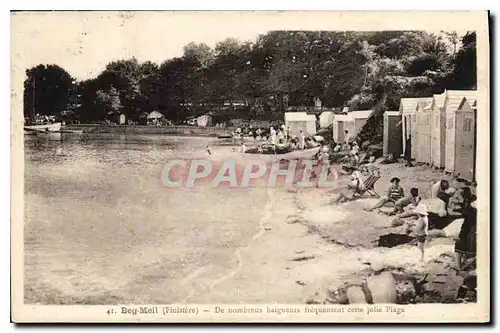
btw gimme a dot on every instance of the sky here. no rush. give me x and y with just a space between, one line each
83 43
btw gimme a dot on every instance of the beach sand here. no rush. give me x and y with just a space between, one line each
284 246
305 245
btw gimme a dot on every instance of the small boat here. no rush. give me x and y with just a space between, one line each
55 127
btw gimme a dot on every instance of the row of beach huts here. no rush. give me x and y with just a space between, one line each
439 131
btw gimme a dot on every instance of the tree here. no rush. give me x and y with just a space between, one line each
109 101
47 90
464 73
201 53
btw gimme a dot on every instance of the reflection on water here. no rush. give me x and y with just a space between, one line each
98 222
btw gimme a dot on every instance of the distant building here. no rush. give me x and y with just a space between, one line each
317 103
204 120
155 118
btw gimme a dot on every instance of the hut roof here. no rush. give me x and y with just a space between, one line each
465 104
299 116
439 100
454 98
424 103
409 105
361 114
155 115
342 117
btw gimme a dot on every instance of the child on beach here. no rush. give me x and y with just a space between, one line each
209 150
421 228
259 149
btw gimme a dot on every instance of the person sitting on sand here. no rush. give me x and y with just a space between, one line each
436 208
411 200
337 148
281 137
441 186
394 193
355 147
353 187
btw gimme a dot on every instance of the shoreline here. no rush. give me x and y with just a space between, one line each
145 129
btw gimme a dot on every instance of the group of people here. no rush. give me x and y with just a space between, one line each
445 206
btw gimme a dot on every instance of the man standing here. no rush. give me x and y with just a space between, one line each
302 140
347 140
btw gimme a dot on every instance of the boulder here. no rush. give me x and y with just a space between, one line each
337 296
405 291
441 284
382 287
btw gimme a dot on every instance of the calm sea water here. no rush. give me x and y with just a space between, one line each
101 228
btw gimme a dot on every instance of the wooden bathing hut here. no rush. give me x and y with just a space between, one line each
423 131
407 110
298 121
340 124
392 134
359 119
461 134
438 130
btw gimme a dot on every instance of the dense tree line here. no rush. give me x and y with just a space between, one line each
361 70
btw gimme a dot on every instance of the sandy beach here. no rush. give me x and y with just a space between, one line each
317 246
259 245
